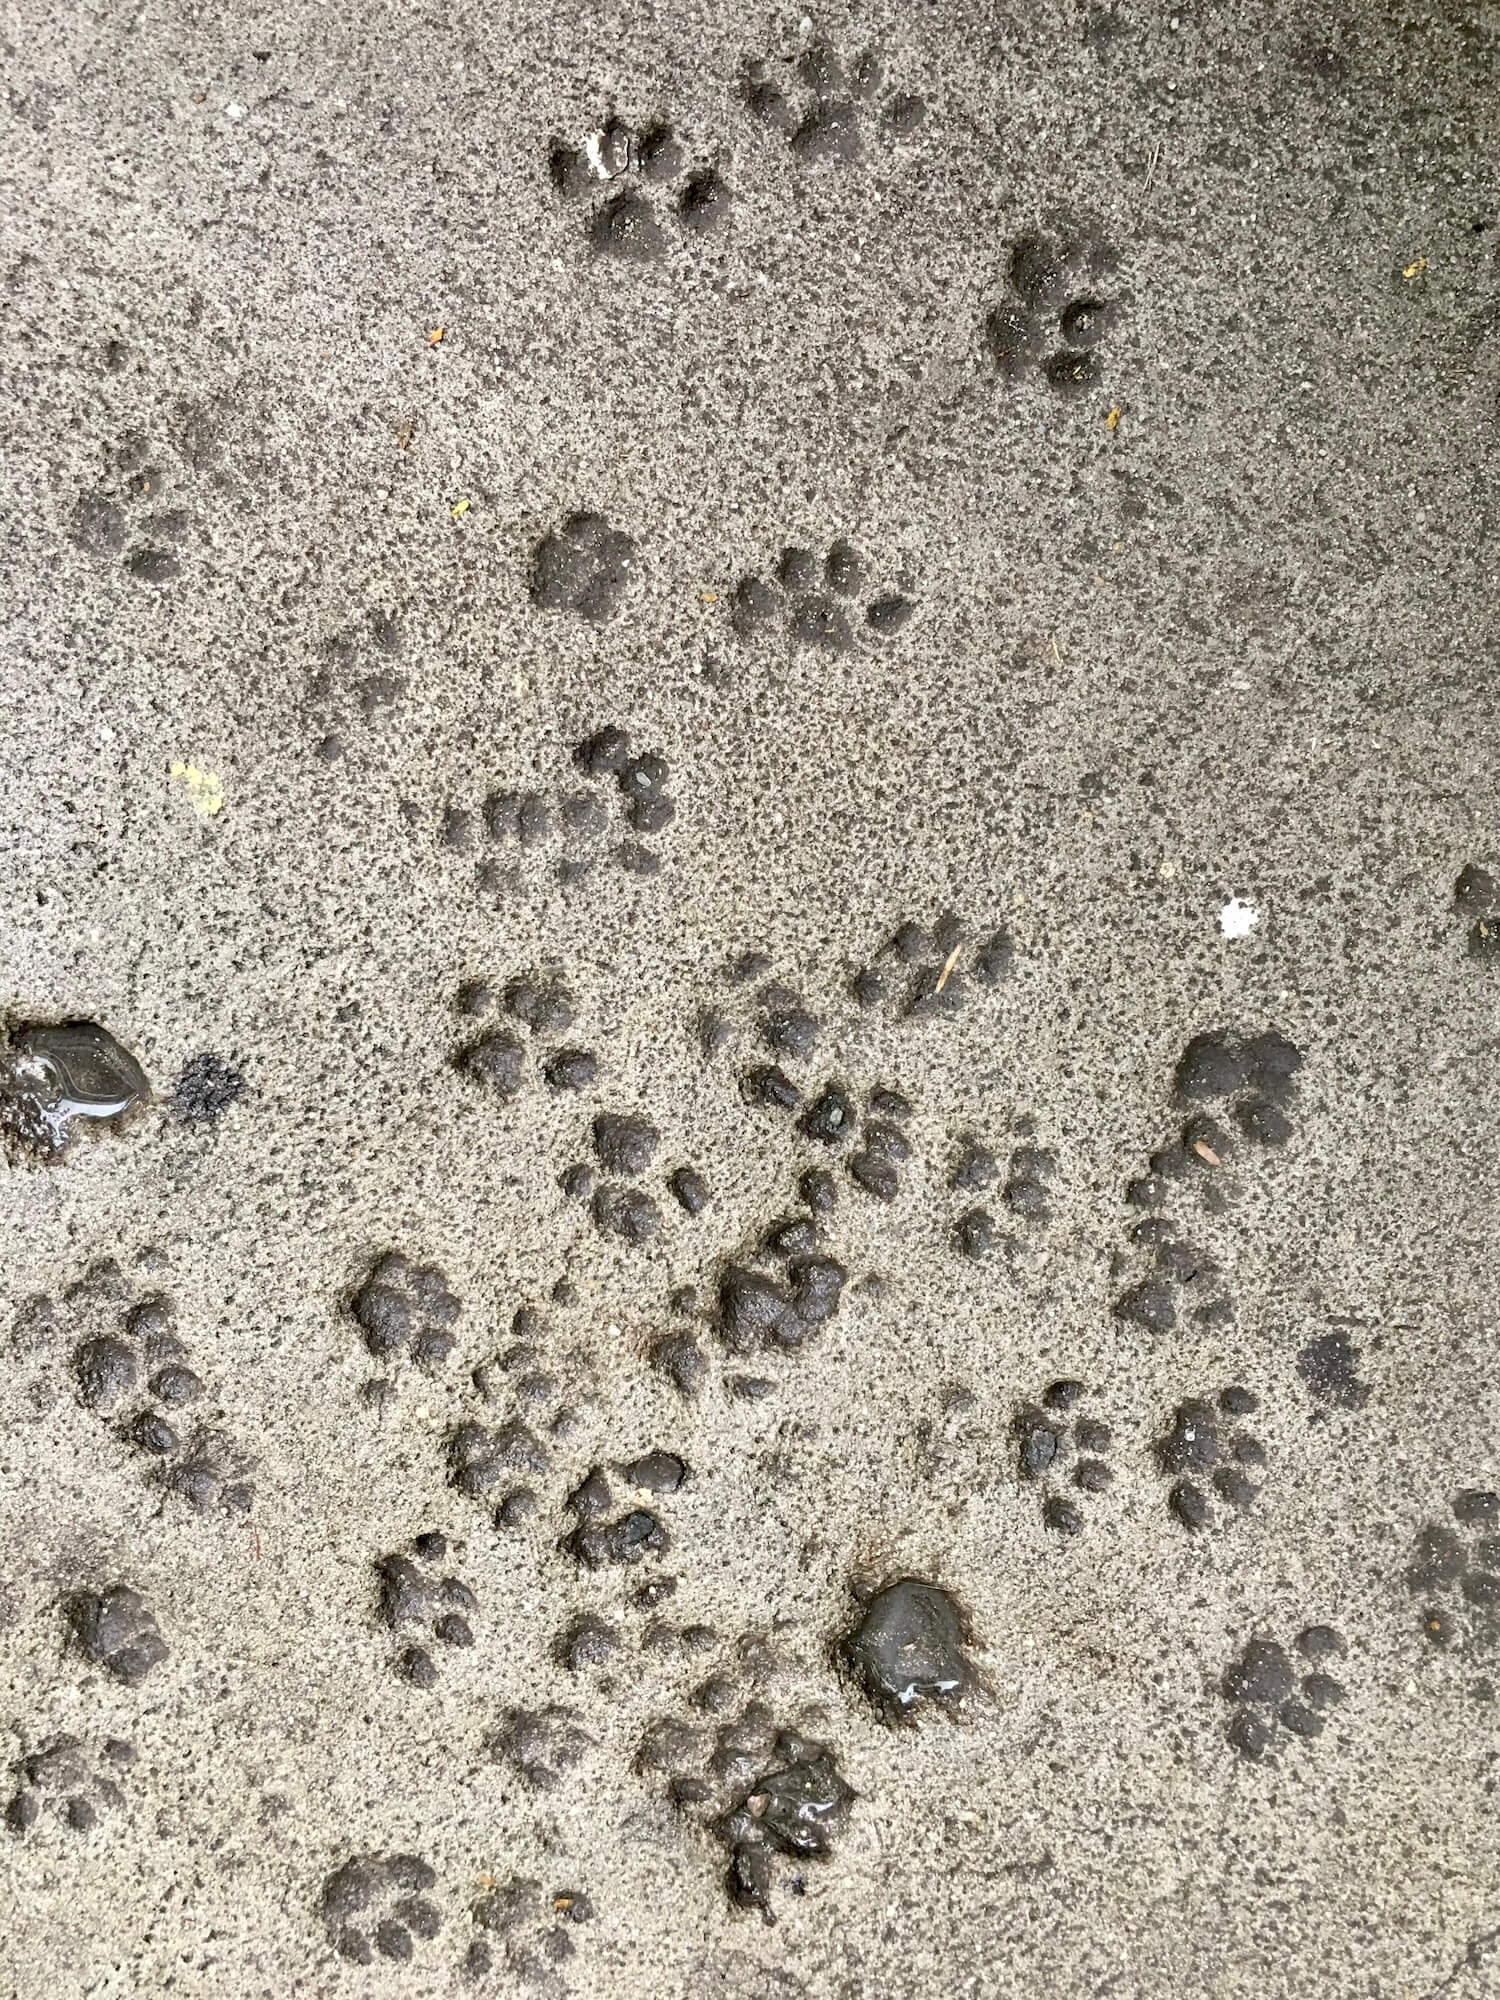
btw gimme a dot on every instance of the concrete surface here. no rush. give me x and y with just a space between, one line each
1236 643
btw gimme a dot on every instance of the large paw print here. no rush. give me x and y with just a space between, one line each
825 111
1269 1690
1056 315
1456 1570
65 1776
809 600
637 187
1058 1438
379 1903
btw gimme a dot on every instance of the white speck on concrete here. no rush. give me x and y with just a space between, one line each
1238 918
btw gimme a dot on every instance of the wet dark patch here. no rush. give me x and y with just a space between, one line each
909 1651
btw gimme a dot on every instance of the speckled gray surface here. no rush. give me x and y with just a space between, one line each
1216 623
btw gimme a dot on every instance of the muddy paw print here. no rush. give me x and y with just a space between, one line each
811 601
538 1004
542 1745
597 1541
640 188
404 1310
1057 313
116 1629
1456 1571
379 1903
583 567
415 1597
1272 1691
826 111
131 518
532 1931
1476 897
1053 1443
920 974
66 1777
1209 1454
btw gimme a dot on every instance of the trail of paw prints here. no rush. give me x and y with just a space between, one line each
812 602
1062 1451
426 1610
1253 1082
826 109
1276 1696
921 974
1454 1570
568 831
1476 899
1057 311
641 192
1216 1463
1025 1192
72 1779
359 677
139 1377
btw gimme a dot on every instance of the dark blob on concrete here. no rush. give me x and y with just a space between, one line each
909 1649
58 1081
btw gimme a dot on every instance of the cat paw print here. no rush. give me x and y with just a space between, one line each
529 1930
415 1598
541 1745
1025 1191
583 567
1057 311
116 1629
641 191
67 1778
1057 1442
135 517
813 602
596 1540
139 1375
404 1311
1476 898
380 1904
573 827
1214 1461
826 109
537 1005
1274 1693
360 677
1455 1570
920 974
624 1145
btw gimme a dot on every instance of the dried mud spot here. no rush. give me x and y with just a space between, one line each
1278 1693
819 602
1454 1570
379 1905
424 1608
829 108
1063 1452
642 192
1059 308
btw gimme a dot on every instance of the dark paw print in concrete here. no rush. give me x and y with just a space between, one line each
909 1652
828 110
206 1089
62 1079
624 1145
920 974
360 678
1329 1367
571 828
136 516
140 1376
1064 1453
530 1931
1216 1464
116 1629
420 1605
1025 1192
67 1778
1278 1693
1454 1569
379 1904
541 1745
405 1312
584 567
814 603
532 1014
597 1540
1249 1085
1057 312
1476 898
641 191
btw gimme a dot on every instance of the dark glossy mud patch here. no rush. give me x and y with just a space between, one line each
797 1807
58 1081
909 1652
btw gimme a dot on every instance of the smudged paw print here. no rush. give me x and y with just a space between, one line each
540 1004
809 600
1456 1571
531 1931
414 1597
1056 314
116 1629
1476 897
824 110
68 1778
1272 1692
129 519
404 1311
380 1903
1209 1454
638 187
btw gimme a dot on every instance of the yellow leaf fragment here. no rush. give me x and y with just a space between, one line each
434 338
947 972
1112 421
459 509
205 789
1415 268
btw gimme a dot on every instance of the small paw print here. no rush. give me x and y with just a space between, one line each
69 1779
541 1745
596 1541
824 110
1052 1441
532 1930
116 1629
1208 1452
810 600
1056 314
380 1903
127 520
1270 1690
497 1060
638 186
414 1597
920 975
1456 1571
406 1309
583 566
